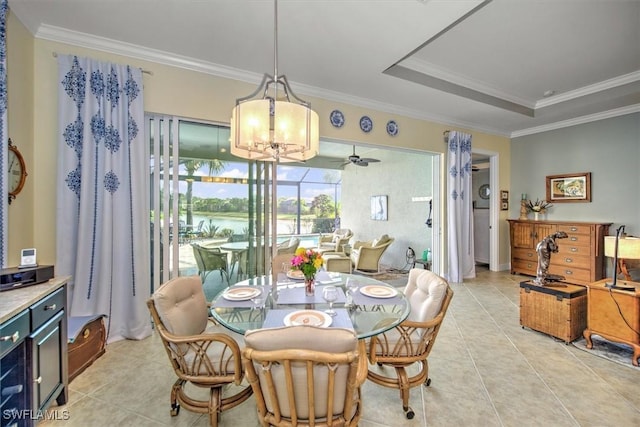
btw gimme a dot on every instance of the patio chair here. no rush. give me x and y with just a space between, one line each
305 376
201 353
288 246
411 342
210 259
335 241
366 256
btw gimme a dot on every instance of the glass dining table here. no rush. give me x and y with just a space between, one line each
366 305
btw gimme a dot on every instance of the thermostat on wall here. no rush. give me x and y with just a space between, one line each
28 258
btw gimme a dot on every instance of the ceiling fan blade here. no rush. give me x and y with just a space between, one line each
362 163
365 159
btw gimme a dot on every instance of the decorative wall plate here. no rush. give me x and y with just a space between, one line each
392 128
366 124
337 118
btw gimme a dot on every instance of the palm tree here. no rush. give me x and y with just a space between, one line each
191 166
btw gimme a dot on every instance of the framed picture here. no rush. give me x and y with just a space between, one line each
574 187
504 195
379 208
504 205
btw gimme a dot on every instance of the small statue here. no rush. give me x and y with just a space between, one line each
544 249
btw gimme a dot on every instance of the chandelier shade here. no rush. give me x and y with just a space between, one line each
273 124
268 130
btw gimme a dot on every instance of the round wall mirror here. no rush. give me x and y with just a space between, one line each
484 191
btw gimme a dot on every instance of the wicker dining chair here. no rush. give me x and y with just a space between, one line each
411 342
305 375
201 352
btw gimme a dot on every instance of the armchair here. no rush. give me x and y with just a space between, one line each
204 356
289 246
334 242
366 256
210 259
411 342
305 376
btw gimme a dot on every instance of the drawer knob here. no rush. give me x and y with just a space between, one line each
573 239
573 229
50 307
574 249
568 260
569 272
13 338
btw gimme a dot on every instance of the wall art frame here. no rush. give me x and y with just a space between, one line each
379 208
569 188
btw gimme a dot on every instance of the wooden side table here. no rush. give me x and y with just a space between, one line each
614 315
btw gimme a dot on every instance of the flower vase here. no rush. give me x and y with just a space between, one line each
536 216
309 286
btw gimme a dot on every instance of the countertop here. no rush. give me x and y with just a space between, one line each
14 301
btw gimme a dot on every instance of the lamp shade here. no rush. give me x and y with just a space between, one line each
628 247
290 135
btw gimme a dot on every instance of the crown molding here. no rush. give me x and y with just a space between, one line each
578 120
460 80
588 90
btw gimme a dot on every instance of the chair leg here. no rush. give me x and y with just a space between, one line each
405 388
175 390
215 396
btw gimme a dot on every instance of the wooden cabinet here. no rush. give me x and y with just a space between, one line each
614 315
33 351
580 257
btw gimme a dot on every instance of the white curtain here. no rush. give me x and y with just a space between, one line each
459 208
103 193
4 139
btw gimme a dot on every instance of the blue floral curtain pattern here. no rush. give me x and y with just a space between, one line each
459 208
103 219
4 138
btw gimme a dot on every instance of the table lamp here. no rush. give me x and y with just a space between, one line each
621 247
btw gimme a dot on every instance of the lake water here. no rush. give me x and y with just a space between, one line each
240 225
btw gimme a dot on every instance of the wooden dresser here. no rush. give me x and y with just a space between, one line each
580 258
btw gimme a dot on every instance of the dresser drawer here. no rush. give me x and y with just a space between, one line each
13 331
47 308
571 274
574 250
571 261
575 240
525 254
524 267
575 229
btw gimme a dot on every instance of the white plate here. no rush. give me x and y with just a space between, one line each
295 274
308 317
377 291
241 293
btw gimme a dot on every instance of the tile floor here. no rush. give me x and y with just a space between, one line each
486 371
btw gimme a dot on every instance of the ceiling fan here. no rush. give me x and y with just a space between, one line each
359 161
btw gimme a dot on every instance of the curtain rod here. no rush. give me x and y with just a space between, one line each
55 55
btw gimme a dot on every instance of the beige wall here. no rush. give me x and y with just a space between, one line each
188 94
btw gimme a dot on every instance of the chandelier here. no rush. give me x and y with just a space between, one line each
273 124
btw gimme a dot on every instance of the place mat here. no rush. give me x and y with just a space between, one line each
360 299
275 318
223 302
297 296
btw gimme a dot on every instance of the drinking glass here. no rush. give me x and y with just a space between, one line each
330 294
